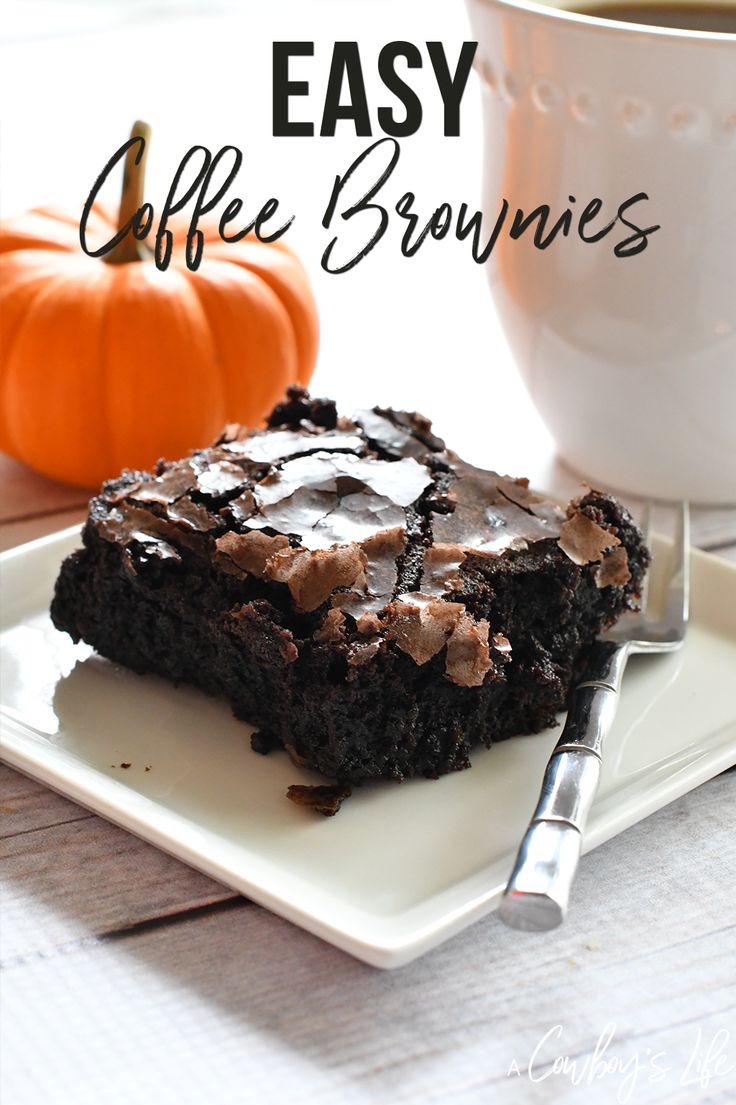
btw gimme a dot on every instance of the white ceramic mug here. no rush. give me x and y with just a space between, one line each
631 361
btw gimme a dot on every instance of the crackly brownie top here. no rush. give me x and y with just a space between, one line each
365 520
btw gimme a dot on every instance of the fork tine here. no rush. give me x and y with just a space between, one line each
646 528
678 592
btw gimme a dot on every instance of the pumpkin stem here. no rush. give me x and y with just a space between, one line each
134 173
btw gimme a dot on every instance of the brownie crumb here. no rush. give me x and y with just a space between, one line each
263 742
126 766
300 407
325 800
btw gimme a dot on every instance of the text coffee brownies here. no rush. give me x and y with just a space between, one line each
355 590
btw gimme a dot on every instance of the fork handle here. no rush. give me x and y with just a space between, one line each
538 890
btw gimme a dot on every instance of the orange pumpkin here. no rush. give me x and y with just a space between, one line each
109 363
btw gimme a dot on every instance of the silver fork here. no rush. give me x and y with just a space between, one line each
538 891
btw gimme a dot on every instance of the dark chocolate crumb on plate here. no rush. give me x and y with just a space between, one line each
263 742
325 800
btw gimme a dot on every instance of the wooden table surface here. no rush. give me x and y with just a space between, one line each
130 978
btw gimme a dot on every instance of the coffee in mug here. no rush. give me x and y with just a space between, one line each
690 17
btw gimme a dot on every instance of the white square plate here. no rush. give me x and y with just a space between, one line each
401 868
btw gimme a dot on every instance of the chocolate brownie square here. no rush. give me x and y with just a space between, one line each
367 599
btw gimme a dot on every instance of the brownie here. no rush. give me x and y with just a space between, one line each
355 590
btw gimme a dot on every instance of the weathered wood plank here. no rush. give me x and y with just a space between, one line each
726 552
28 529
26 805
83 878
241 1006
88 877
713 527
26 494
